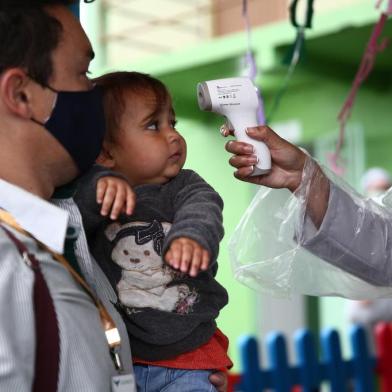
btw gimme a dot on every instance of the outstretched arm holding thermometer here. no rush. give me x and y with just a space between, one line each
333 232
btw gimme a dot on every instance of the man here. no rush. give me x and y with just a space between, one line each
34 161
336 224
375 182
50 133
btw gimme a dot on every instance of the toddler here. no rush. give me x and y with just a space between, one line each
160 252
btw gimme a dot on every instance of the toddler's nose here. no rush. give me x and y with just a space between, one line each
134 261
173 136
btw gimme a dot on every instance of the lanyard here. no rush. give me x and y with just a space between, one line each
111 331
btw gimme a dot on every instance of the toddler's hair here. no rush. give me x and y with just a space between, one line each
115 87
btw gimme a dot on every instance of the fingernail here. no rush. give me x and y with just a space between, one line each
249 149
250 170
253 160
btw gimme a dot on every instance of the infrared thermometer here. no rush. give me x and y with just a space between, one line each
237 100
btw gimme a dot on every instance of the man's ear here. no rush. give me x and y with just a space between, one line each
105 157
15 92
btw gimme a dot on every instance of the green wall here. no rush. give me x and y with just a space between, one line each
206 155
317 99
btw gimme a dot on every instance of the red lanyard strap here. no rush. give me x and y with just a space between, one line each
111 331
47 354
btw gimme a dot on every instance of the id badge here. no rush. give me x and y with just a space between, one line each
123 383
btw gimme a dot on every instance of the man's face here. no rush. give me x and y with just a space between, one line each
377 187
71 58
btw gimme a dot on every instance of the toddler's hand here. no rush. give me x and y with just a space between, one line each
116 196
188 256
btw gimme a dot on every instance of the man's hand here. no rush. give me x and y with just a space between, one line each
219 381
287 159
188 256
116 196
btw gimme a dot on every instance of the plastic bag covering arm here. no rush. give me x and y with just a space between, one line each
276 248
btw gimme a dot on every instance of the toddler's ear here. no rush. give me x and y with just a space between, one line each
105 157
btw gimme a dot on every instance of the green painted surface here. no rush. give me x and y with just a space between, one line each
207 157
265 40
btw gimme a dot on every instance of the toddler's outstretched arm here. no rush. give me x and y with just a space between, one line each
188 256
197 225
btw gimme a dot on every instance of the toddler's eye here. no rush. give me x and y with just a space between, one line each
153 126
173 124
126 253
86 74
146 253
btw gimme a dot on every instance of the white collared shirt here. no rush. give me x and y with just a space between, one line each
85 362
46 222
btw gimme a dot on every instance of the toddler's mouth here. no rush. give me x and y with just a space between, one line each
175 157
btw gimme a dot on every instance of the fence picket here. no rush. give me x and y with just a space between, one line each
251 379
277 352
307 360
363 364
332 355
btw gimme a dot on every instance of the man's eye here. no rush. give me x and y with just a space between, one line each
153 126
174 124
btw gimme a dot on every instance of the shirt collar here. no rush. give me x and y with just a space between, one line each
46 222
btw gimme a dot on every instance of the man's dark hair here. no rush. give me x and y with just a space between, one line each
28 36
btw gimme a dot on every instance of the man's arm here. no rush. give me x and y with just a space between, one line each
355 235
17 333
338 226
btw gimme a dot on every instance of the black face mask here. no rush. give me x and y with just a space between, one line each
78 123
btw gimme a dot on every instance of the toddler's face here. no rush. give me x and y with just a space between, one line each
148 149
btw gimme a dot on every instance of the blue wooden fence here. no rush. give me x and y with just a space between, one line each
311 369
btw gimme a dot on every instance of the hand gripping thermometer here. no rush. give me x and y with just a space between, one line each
237 100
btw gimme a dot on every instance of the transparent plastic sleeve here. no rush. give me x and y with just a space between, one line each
277 249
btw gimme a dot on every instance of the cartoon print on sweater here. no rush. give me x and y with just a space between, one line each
145 278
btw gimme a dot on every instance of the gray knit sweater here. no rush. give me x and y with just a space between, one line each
166 312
